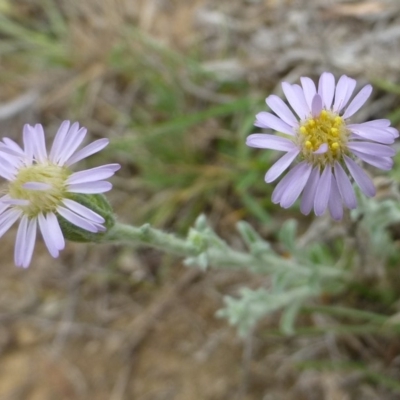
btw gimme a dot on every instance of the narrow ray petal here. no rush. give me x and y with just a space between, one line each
284 183
322 149
54 227
77 220
316 105
309 90
12 145
47 235
323 191
362 179
307 200
36 186
345 187
297 102
281 165
266 141
299 180
267 120
373 149
7 219
83 211
371 133
87 151
20 246
326 88
335 201
90 187
39 143
385 163
93 174
28 144
71 144
279 107
30 242
58 144
358 101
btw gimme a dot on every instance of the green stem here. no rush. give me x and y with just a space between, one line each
145 234
217 255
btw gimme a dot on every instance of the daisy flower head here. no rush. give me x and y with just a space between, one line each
321 137
43 192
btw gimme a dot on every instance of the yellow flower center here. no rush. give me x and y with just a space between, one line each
328 128
40 200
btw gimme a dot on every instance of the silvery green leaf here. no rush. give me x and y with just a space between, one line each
287 235
201 223
253 240
288 318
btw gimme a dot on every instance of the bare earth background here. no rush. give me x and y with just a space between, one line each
175 85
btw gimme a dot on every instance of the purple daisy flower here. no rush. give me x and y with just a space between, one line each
325 143
40 186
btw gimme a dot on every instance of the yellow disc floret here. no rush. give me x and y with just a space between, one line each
45 200
327 128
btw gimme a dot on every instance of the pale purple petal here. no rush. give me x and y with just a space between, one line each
15 202
309 90
3 206
72 142
83 211
77 220
39 143
94 174
335 201
385 163
87 151
322 149
36 186
297 102
28 143
278 106
285 183
281 165
6 173
25 242
7 219
13 146
29 242
361 178
19 250
45 229
58 144
344 90
13 162
358 101
371 133
299 180
266 141
393 131
267 120
91 187
298 90
345 187
326 88
54 227
4 149
316 105
374 149
378 123
323 191
10 164
307 200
